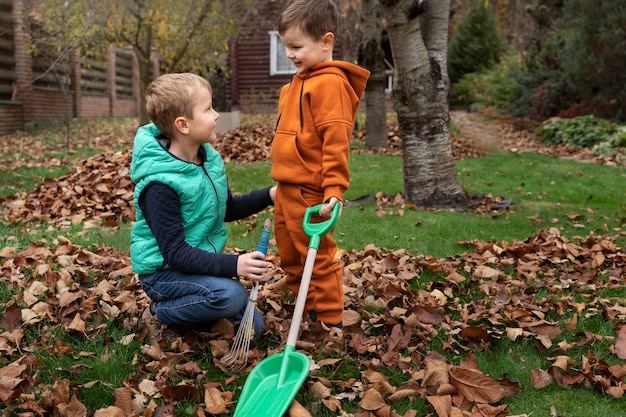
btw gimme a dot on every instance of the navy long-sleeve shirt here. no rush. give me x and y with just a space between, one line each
161 208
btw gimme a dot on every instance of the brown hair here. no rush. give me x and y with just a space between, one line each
171 96
314 17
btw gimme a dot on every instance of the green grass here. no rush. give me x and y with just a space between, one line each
104 364
516 360
577 198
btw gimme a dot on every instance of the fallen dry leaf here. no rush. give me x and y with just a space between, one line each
476 386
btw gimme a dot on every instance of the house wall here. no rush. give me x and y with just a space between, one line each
23 102
251 88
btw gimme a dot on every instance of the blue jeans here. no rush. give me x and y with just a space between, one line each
198 300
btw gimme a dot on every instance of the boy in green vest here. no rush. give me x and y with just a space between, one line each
181 201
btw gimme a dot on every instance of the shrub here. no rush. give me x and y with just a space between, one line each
579 132
614 146
576 61
495 87
477 45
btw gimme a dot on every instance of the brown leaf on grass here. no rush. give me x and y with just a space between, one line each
436 373
350 318
397 340
319 391
620 343
478 333
297 410
333 404
111 411
476 386
180 393
74 408
77 325
216 401
618 371
12 318
428 315
164 411
615 392
360 344
441 403
372 400
124 399
541 378
10 378
488 410
510 387
401 394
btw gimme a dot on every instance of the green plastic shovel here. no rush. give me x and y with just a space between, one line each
275 381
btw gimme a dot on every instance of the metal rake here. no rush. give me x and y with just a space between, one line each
241 343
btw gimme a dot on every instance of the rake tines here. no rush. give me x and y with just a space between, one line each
245 333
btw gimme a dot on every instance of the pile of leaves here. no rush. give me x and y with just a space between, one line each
98 190
391 320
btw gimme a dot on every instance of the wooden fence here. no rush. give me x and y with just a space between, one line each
106 86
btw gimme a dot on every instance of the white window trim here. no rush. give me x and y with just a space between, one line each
275 44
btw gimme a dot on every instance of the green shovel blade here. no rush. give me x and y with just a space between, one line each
273 384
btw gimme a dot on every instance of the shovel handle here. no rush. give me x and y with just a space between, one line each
317 230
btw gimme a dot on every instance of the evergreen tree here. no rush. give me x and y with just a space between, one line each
577 67
477 45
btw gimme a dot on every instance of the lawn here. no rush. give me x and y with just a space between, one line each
514 308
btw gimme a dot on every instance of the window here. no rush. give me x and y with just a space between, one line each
279 63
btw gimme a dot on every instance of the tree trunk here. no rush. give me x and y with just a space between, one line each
144 80
418 33
372 57
143 53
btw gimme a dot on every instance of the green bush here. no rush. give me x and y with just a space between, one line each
496 87
576 60
579 132
477 45
615 146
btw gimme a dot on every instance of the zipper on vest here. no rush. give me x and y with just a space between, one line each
217 198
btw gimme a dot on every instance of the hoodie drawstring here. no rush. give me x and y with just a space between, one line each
301 109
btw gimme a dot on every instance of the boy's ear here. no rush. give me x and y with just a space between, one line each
180 123
328 40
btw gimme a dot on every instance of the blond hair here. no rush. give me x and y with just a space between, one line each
171 96
315 18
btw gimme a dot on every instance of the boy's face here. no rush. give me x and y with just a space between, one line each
305 51
202 126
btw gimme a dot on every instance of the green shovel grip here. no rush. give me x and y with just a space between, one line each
317 230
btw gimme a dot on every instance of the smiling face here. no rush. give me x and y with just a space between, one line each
305 51
202 124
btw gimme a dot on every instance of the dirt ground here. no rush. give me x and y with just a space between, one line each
485 134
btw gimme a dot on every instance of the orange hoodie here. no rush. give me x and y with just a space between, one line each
317 111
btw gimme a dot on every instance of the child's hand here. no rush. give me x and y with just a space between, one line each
327 210
273 194
254 266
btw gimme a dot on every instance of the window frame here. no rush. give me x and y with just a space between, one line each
276 46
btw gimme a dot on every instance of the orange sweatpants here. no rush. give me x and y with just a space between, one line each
325 295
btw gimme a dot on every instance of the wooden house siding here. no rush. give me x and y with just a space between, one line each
252 88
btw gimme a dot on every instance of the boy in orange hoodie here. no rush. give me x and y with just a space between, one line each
310 150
